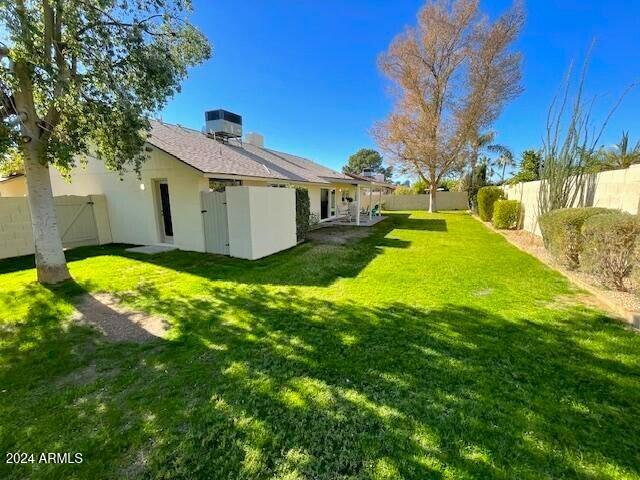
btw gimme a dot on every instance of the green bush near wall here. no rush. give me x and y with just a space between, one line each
487 196
562 232
507 214
303 213
610 249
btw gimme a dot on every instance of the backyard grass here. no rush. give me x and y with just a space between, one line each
431 349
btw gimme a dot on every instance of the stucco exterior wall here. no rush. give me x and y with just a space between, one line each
132 201
314 192
617 189
15 187
262 221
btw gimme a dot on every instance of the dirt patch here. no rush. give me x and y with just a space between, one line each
82 376
338 235
117 322
483 293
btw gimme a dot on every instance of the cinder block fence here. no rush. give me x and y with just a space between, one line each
81 221
616 189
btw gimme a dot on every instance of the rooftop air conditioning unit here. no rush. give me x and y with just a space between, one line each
223 124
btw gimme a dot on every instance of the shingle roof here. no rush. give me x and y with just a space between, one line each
210 156
370 180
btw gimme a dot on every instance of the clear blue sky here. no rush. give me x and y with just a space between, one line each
303 72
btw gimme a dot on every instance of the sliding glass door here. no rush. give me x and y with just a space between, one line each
327 203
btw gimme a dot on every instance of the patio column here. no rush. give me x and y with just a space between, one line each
370 202
380 203
358 205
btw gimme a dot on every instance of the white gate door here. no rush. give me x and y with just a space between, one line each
216 227
76 221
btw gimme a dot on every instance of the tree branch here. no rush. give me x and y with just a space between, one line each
48 30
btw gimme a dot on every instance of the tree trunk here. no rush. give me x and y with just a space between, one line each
433 188
470 192
51 264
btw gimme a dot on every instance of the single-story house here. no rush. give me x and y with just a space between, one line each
164 205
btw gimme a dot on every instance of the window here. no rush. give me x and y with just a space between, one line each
219 184
278 185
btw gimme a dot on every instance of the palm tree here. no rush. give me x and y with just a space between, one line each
620 156
477 144
505 158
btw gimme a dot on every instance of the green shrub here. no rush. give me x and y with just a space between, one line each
420 187
507 214
611 247
487 196
302 213
402 190
561 232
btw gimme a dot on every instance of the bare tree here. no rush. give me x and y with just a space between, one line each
454 72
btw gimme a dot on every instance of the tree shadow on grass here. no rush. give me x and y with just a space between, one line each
309 264
256 385
425 224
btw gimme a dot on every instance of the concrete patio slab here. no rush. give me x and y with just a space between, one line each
151 249
364 221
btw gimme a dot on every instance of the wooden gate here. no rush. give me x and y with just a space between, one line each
216 227
76 221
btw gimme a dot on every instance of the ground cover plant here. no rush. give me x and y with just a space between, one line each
430 349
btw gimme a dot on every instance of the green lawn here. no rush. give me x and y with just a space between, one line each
431 349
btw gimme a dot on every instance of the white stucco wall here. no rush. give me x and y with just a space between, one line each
262 221
132 209
314 191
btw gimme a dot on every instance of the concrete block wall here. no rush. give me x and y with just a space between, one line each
16 237
617 189
444 201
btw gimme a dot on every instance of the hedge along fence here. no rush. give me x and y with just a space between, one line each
507 214
562 232
610 249
303 213
487 196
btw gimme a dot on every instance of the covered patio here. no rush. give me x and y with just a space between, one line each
366 209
